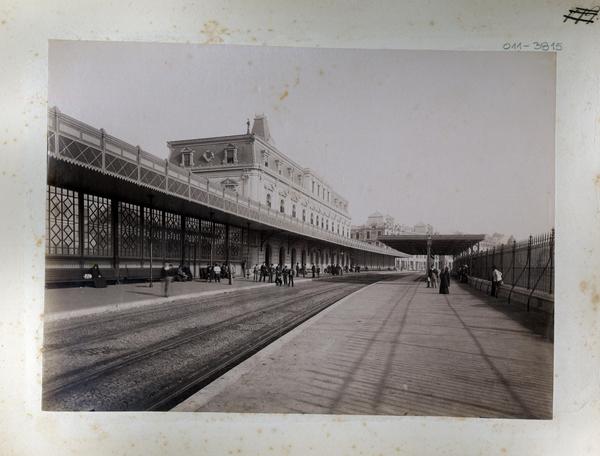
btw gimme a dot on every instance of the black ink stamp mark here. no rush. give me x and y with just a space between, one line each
585 15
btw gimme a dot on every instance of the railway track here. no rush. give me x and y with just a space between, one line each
104 376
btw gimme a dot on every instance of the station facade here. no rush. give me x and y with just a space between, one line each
112 204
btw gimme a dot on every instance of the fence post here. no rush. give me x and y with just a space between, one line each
551 260
514 251
529 262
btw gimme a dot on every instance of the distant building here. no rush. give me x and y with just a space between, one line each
378 224
495 240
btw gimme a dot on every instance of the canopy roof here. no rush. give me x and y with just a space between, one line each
441 244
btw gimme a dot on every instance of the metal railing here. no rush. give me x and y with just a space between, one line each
526 264
74 141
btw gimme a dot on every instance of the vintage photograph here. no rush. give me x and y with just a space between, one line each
263 229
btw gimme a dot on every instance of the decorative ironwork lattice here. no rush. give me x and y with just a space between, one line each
51 143
152 178
205 239
121 167
192 239
62 222
199 195
178 187
97 226
130 244
80 152
153 233
173 235
235 242
219 241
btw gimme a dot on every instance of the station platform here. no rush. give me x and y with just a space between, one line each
398 348
67 302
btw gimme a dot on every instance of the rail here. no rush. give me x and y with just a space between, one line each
73 141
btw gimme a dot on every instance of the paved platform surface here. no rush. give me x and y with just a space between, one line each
74 298
75 301
398 348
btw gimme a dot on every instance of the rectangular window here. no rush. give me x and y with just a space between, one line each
129 230
62 223
97 226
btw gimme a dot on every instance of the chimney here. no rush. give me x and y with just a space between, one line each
260 128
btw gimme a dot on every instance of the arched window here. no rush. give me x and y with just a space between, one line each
317 220
294 210
304 215
269 200
312 220
322 224
282 206
327 225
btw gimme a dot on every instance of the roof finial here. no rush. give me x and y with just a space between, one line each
247 126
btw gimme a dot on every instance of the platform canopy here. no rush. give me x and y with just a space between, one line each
441 244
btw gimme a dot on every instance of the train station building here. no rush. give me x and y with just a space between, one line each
235 199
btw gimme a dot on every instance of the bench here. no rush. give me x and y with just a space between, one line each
74 276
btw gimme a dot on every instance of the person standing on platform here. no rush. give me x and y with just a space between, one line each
165 274
209 273
445 281
429 276
318 271
278 275
285 272
217 272
496 281
297 269
255 272
313 269
291 278
263 272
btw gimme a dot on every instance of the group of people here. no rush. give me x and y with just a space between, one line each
183 273
281 275
433 276
216 272
462 272
268 272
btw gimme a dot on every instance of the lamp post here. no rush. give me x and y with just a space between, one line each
151 237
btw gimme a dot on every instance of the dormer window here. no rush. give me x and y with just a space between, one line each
230 155
187 157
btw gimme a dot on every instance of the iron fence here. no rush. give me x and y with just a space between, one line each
527 264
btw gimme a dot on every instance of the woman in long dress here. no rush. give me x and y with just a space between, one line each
445 281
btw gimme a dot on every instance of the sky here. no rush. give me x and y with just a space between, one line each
463 141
